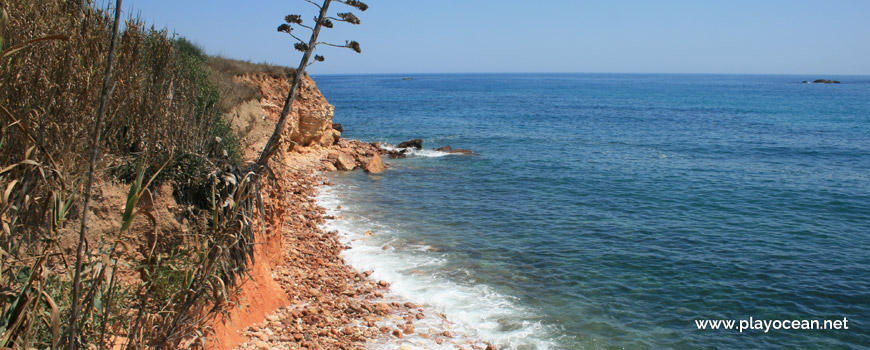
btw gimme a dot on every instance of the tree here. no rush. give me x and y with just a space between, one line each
323 19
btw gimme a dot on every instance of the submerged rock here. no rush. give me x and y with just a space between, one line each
450 150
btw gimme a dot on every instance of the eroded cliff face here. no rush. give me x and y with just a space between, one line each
310 121
288 204
301 292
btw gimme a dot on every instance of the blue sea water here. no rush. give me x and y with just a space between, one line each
611 211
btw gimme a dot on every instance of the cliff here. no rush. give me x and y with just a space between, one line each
301 292
293 246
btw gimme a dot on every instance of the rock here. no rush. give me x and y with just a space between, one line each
261 345
491 347
298 337
330 137
396 154
415 143
822 81
375 165
398 334
337 127
344 162
450 150
329 167
466 152
409 329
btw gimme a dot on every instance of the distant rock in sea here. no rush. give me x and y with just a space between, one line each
415 143
451 150
407 78
822 81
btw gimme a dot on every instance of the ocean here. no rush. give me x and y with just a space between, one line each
613 211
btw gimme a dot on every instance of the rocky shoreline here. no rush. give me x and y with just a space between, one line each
301 293
331 305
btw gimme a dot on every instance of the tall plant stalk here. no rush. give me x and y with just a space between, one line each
72 343
322 20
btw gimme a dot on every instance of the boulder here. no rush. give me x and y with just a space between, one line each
415 143
329 167
330 137
394 154
375 165
343 161
337 126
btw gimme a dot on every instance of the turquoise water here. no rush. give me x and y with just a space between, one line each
610 211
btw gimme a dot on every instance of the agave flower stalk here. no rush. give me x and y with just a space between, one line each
307 48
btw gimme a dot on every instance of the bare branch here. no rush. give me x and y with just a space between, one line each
353 45
286 28
297 38
317 58
313 3
329 44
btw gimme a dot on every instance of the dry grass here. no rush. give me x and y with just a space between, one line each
224 71
164 113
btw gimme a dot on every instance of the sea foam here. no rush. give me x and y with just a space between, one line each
472 312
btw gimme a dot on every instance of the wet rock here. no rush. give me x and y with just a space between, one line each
450 150
400 154
375 165
398 334
415 143
408 329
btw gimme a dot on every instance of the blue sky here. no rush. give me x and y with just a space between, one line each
819 37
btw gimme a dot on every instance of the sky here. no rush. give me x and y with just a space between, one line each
817 37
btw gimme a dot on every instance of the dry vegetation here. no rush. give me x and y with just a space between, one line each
146 285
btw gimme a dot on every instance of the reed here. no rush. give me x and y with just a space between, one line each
162 125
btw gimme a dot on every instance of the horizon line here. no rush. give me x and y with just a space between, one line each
815 75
